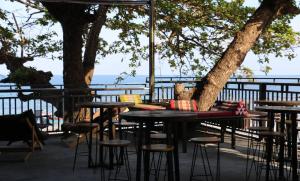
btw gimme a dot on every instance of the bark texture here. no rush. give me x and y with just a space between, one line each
207 90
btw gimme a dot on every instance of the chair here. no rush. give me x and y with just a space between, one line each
134 98
42 120
20 127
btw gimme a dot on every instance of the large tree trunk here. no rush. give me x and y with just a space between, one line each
72 67
73 18
208 89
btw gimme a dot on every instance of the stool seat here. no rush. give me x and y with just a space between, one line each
125 123
158 136
258 128
271 133
115 143
286 121
158 148
205 140
80 127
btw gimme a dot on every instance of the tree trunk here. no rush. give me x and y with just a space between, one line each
72 66
92 44
211 85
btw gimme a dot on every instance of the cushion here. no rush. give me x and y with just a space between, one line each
184 105
135 98
238 108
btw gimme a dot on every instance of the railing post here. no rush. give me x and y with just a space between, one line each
262 92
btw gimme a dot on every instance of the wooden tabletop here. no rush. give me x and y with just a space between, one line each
277 103
158 115
104 104
278 109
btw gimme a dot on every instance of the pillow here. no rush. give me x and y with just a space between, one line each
135 98
241 109
238 108
184 105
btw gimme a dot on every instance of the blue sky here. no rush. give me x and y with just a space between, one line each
112 65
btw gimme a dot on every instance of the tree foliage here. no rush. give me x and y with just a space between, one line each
190 35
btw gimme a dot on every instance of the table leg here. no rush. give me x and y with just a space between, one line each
91 139
294 147
170 129
184 137
269 145
147 153
233 128
110 134
281 148
176 156
120 126
101 135
139 152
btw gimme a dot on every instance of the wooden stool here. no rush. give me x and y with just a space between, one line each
121 154
161 149
199 144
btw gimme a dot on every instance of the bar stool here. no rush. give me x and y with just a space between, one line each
120 152
200 145
81 128
260 156
254 144
160 149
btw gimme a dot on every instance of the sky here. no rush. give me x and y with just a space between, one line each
112 65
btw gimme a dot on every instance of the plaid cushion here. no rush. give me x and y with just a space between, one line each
184 105
135 98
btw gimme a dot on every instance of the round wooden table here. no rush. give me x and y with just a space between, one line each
102 105
277 103
293 111
170 119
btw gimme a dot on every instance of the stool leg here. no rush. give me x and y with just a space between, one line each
203 161
207 160
158 166
76 150
218 175
193 162
127 166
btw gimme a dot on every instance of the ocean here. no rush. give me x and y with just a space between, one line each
105 79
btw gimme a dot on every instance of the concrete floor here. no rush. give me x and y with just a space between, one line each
54 163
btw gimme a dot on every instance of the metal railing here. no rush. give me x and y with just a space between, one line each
50 104
50 101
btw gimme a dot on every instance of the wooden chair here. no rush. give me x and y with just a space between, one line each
20 127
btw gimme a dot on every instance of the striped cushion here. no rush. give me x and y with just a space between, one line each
135 98
184 105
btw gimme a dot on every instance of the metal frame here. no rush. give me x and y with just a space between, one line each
151 4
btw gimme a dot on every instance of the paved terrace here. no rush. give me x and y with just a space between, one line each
54 163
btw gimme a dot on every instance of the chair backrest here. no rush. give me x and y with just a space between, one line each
134 98
184 105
